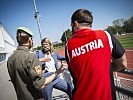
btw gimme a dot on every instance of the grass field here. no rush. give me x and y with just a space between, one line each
126 40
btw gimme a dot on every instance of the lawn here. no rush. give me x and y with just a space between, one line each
126 40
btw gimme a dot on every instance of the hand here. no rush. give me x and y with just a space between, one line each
64 64
45 59
60 70
43 71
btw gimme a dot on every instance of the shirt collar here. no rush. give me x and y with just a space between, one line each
82 32
23 48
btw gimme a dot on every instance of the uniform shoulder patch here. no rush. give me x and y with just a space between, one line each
38 69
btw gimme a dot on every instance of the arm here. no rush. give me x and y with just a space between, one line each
39 54
35 72
11 70
119 61
45 59
52 77
39 81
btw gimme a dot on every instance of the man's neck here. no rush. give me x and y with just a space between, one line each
26 45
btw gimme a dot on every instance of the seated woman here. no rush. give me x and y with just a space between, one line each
49 59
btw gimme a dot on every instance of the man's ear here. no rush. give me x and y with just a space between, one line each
30 41
76 25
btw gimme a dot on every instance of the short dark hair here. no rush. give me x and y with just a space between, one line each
22 37
82 16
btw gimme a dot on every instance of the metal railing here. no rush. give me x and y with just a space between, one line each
124 85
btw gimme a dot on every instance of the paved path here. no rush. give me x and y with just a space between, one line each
7 91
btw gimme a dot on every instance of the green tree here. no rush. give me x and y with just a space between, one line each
111 29
117 24
128 25
66 36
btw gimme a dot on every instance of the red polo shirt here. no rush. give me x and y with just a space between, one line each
89 56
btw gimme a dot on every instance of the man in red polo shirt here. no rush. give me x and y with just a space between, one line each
91 56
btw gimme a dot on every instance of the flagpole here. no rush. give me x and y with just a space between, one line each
36 16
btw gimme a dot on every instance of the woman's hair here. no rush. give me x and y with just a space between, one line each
22 37
48 41
82 16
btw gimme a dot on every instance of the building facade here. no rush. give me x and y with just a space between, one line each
7 44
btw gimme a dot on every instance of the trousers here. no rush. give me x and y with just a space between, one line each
57 83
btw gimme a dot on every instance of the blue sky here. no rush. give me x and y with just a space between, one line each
56 15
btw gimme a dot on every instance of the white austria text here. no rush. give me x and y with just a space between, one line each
96 44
